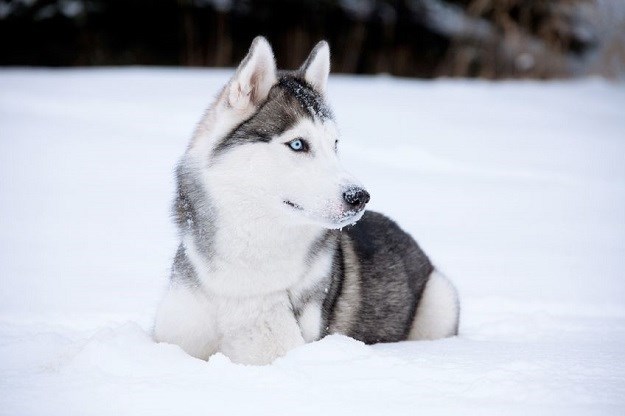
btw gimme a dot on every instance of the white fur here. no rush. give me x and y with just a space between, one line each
249 330
185 317
317 69
250 312
310 321
257 330
251 315
253 178
254 77
437 313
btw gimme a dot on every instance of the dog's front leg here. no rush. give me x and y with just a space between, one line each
259 330
186 317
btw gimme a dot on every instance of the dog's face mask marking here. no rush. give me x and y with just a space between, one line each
277 144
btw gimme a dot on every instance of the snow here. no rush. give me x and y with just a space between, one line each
515 189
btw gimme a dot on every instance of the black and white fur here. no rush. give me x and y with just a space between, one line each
264 264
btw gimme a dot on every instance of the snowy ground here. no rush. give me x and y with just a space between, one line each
516 190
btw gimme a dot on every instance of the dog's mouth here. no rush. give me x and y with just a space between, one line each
348 218
331 220
293 205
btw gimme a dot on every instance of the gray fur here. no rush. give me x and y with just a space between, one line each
393 271
182 270
195 216
391 274
308 98
337 273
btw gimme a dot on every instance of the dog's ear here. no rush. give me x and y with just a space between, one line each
255 76
316 68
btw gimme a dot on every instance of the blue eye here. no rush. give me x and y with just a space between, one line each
298 145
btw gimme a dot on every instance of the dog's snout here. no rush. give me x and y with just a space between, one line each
356 197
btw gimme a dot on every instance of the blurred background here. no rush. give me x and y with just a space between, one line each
490 39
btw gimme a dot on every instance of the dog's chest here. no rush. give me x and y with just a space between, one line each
240 268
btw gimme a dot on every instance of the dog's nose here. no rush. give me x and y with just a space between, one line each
356 197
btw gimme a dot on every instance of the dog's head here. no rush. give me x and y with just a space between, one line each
269 144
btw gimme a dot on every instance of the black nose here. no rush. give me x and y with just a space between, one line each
356 197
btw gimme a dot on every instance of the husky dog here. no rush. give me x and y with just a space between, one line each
263 265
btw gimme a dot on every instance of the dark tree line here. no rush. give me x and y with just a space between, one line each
422 38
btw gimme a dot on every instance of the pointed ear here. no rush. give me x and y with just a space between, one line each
316 68
254 77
